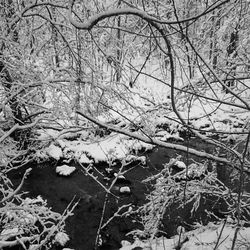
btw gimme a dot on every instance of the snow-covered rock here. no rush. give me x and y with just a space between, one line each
180 164
125 190
119 176
65 170
54 152
61 238
130 158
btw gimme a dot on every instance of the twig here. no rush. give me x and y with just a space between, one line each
100 223
218 239
240 192
116 214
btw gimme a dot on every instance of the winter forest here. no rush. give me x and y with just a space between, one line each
124 124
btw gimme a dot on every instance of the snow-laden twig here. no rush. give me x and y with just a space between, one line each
240 191
11 195
4 244
16 127
117 214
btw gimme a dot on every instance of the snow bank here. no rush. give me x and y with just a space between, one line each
202 238
106 150
110 148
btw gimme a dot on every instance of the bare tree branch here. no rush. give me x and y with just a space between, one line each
129 11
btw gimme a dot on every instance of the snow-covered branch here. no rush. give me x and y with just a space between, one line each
17 126
156 142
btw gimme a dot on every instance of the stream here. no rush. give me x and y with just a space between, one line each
83 225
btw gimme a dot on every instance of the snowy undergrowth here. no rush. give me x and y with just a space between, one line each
211 116
195 183
150 109
31 221
158 122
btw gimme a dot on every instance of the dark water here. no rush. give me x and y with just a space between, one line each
82 227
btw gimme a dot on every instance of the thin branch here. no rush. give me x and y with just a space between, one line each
13 243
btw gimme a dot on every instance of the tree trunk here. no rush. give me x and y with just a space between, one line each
118 52
79 76
5 76
232 53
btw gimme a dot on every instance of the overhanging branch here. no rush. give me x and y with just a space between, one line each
156 142
131 11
